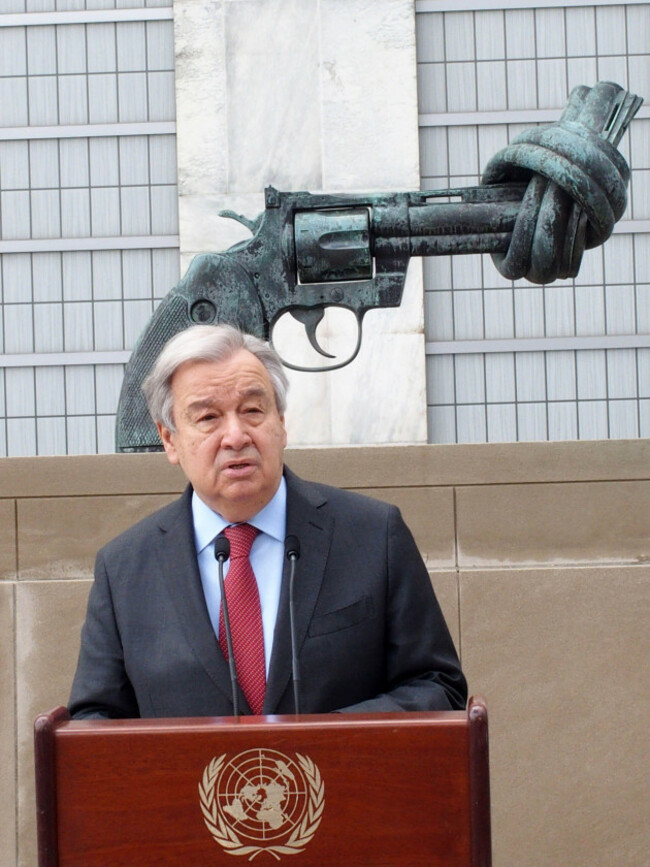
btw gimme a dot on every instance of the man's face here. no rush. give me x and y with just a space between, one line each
229 438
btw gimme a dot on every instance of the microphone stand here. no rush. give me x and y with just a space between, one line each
222 552
292 548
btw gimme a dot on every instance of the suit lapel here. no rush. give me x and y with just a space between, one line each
308 520
183 583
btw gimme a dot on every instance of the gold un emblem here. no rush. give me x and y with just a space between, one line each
262 801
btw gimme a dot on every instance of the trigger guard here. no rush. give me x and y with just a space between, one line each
328 367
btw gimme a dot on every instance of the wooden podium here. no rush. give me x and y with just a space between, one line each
330 789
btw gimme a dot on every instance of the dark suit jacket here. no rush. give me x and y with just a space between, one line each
370 633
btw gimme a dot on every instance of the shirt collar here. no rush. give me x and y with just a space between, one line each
272 519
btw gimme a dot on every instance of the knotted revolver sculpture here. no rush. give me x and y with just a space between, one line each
552 193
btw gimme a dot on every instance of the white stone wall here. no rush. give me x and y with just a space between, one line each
315 95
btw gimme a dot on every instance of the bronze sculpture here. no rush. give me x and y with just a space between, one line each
545 198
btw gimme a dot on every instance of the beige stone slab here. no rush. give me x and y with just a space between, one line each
79 475
445 585
7 724
346 466
554 523
7 539
49 616
58 537
429 513
562 658
475 464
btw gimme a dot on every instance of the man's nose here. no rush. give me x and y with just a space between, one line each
235 435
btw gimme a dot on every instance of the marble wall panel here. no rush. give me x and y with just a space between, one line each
203 228
274 100
373 400
561 656
307 95
369 95
59 537
201 97
553 523
49 616
7 539
7 723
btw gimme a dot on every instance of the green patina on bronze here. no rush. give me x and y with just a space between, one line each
545 198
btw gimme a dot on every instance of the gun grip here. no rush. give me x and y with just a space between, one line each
214 289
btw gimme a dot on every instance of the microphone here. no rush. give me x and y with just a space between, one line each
222 553
292 552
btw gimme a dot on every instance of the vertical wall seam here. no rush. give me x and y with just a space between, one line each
14 631
16 560
457 569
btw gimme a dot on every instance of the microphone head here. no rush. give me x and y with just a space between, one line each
292 547
221 548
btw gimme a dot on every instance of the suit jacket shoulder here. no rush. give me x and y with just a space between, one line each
324 498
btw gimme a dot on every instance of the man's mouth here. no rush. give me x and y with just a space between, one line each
238 466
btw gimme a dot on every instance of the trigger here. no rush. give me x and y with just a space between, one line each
311 318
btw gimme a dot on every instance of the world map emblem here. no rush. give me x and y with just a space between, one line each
262 800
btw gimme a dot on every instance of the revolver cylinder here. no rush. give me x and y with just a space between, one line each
332 245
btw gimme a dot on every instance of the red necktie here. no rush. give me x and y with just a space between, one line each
245 615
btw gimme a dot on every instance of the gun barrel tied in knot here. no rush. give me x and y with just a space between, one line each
552 193
577 182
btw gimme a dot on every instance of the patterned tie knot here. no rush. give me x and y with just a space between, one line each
241 538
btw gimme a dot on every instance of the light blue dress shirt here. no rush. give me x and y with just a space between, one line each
267 558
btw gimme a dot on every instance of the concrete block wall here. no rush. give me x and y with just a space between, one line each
539 553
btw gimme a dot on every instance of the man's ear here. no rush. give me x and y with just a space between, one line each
168 444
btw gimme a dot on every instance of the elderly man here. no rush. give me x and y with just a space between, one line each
369 634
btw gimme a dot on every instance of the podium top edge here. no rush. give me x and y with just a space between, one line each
202 724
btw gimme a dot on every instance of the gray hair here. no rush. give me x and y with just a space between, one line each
207 343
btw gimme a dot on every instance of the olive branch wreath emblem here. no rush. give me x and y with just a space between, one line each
228 839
